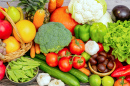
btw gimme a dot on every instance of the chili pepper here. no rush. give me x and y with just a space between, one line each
82 32
122 71
118 63
97 32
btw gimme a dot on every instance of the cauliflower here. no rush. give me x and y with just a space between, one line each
87 10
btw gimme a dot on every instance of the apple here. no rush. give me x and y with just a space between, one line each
2 16
5 29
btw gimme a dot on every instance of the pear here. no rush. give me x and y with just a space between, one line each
6 10
13 13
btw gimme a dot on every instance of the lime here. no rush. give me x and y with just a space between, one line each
107 81
95 80
86 56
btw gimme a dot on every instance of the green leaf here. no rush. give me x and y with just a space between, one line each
28 9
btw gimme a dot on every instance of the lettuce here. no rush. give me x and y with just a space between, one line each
118 38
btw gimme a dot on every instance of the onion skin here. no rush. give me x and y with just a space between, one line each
120 12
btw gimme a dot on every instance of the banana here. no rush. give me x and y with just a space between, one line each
21 13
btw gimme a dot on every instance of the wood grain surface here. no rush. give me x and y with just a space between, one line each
110 5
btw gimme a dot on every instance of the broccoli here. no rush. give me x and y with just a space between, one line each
52 37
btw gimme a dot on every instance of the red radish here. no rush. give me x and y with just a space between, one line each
2 16
2 70
5 29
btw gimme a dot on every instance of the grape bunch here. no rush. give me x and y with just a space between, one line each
2 49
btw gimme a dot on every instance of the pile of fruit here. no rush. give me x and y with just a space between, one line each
66 39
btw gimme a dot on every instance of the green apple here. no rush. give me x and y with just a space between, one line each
13 13
86 56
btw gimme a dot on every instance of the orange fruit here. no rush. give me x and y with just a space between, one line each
26 30
11 44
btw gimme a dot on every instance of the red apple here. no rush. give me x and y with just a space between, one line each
5 29
1 14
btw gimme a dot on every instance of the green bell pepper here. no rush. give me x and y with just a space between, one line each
82 32
97 32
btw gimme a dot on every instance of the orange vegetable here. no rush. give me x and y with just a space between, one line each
39 18
85 71
59 3
37 48
85 65
32 51
52 5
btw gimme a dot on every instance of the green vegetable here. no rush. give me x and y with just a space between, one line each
55 72
82 32
97 32
22 69
118 37
79 75
52 37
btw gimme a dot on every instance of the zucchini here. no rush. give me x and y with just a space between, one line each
79 75
57 73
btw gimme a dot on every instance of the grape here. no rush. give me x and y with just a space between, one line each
2 49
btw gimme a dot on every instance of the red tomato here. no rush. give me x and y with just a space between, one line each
52 59
2 16
100 47
64 52
65 64
78 62
77 46
120 83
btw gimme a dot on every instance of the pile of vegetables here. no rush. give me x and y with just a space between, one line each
118 38
22 70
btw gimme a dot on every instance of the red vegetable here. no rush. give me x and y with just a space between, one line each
100 47
65 64
52 59
78 62
2 70
64 52
77 46
122 71
5 29
118 63
128 78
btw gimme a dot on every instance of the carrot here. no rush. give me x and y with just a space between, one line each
45 54
85 65
59 3
37 48
85 71
52 5
39 18
32 51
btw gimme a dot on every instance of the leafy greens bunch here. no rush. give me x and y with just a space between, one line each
118 38
52 37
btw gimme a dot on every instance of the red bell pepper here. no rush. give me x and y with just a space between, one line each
118 64
128 78
122 71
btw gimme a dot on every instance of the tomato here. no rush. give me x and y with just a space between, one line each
78 62
120 83
64 52
52 59
65 64
77 46
100 47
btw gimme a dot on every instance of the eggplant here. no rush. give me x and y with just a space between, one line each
120 12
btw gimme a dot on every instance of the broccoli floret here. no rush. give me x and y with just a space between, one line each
52 37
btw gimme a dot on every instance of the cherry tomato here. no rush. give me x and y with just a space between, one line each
52 59
64 52
77 46
78 62
65 64
100 47
119 82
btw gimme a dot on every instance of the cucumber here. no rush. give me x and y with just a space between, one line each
55 72
79 75
41 57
